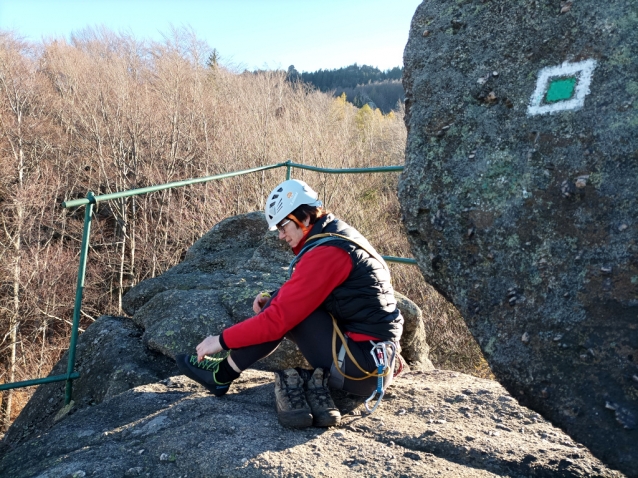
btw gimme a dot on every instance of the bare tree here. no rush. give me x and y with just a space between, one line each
20 113
106 112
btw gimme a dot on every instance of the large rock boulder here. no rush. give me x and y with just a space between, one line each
211 289
111 359
431 424
519 198
214 288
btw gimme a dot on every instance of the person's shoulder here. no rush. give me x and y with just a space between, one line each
340 226
327 251
327 247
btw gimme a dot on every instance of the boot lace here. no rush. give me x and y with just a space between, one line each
321 396
296 397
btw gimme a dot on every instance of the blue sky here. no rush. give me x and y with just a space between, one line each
310 34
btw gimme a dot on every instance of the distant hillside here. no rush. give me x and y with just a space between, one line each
349 76
362 84
384 95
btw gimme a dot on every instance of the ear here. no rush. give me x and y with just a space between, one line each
306 222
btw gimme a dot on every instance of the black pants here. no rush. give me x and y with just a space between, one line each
313 336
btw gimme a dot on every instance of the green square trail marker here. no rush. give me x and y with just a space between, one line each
561 88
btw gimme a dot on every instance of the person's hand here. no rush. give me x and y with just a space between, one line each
260 301
209 346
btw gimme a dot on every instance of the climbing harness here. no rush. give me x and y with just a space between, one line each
384 353
384 362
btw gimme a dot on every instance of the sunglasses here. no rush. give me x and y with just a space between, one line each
282 225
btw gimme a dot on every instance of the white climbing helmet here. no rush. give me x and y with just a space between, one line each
287 197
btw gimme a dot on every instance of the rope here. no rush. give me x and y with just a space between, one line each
335 332
319 239
369 250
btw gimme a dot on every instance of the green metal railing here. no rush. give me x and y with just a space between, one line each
92 200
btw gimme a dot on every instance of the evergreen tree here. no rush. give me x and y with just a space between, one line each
213 59
349 77
292 74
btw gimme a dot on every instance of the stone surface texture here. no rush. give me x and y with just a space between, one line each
214 288
528 223
110 358
434 423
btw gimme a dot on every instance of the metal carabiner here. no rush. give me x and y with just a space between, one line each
380 359
380 354
376 405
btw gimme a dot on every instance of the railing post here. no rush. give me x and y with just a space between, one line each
88 212
288 170
91 200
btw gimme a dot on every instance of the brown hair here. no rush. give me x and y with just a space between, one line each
313 212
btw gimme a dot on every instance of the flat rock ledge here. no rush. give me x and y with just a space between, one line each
435 423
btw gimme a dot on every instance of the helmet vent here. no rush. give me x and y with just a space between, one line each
285 198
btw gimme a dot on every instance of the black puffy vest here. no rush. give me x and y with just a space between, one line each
364 302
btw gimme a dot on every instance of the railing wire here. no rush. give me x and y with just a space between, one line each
92 200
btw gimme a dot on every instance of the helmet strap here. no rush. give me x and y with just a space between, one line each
301 225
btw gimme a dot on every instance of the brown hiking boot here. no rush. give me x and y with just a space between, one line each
292 408
324 411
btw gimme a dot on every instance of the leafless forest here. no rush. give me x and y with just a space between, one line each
105 112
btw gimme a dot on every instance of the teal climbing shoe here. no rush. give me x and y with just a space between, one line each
204 372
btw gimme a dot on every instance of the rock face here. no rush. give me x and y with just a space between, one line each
520 198
431 424
111 359
211 289
215 285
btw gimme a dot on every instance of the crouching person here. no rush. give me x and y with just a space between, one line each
339 287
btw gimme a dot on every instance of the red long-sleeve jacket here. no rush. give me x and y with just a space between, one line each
316 275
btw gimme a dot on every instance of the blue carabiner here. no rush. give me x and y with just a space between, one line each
379 390
380 354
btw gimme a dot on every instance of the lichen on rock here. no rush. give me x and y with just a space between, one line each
519 198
